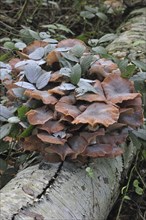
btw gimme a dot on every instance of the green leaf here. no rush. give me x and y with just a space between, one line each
99 50
127 198
107 37
69 56
5 130
135 183
27 132
139 64
139 190
75 74
102 16
122 64
129 71
87 14
64 28
89 171
34 34
22 111
4 146
10 45
85 62
139 81
78 50
135 140
91 9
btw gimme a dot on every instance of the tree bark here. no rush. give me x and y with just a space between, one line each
65 191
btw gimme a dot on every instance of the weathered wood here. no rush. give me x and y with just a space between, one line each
132 39
65 191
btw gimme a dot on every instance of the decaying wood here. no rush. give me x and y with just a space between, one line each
64 191
131 41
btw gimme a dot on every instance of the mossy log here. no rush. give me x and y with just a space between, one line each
65 191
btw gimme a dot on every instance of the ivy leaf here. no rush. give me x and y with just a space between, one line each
78 50
32 72
43 80
5 130
75 74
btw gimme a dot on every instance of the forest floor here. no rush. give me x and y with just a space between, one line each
14 15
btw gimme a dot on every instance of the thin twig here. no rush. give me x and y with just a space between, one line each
22 11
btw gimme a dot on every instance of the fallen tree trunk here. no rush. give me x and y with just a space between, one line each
64 191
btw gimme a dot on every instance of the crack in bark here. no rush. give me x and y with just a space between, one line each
50 183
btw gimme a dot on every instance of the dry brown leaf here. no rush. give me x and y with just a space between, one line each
98 113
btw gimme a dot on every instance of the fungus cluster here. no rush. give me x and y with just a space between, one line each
78 104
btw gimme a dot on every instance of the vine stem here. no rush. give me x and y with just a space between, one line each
127 187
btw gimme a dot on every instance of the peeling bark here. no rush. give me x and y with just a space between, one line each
64 191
